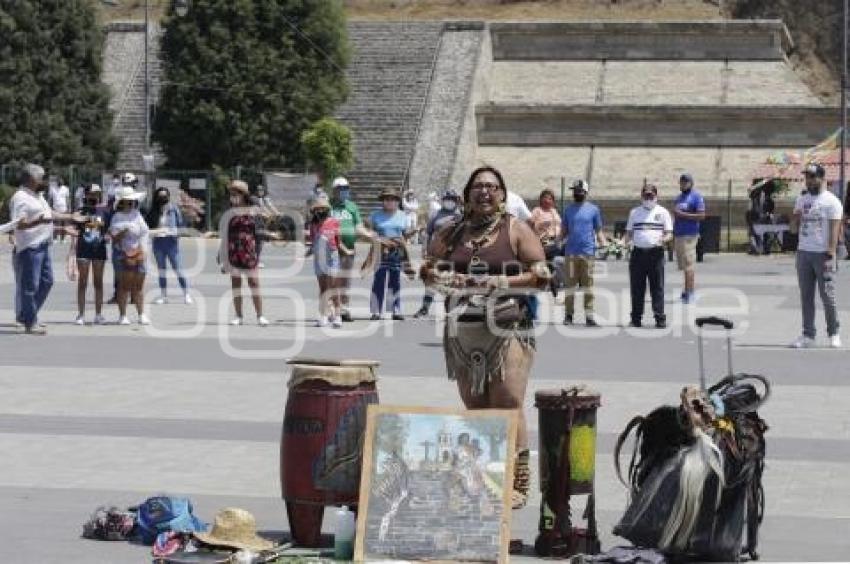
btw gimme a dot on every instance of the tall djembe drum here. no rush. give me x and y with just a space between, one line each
321 444
567 427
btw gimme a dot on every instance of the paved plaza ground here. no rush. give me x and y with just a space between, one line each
111 415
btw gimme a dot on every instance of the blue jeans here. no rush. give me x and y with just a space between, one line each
392 271
168 249
16 268
36 279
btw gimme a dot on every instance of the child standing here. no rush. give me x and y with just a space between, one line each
326 248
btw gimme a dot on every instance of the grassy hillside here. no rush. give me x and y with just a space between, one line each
479 9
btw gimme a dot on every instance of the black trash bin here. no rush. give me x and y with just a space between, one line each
709 236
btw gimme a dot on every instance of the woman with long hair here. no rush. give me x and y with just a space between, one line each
89 240
326 247
130 236
487 264
165 221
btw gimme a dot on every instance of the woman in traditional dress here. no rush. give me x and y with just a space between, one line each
487 265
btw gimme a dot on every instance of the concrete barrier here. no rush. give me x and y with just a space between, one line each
736 40
658 126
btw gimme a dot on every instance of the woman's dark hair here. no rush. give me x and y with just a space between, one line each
544 193
478 171
155 211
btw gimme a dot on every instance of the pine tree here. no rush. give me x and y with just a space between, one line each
54 109
244 78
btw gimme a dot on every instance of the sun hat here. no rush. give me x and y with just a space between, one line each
239 186
320 202
235 528
389 193
127 193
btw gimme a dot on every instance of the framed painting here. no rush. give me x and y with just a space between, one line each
436 484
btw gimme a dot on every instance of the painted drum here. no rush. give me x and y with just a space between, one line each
321 443
567 427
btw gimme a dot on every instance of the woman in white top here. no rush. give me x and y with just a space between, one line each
130 237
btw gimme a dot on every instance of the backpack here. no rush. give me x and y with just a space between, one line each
162 513
109 524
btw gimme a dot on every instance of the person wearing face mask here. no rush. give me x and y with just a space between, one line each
648 229
33 234
449 213
90 223
346 211
165 221
582 228
817 219
689 211
327 246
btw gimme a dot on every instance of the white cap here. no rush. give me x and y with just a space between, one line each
340 181
34 171
129 178
95 188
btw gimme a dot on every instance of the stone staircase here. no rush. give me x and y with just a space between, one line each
389 78
129 125
469 528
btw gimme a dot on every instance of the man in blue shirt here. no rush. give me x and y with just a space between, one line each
688 212
582 228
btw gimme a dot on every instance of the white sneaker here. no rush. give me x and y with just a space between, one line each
144 320
187 299
236 321
803 342
161 300
262 321
99 319
337 322
80 320
261 265
322 322
123 320
835 342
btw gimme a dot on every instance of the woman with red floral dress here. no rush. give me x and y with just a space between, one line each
243 232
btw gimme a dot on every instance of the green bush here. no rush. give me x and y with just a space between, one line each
327 145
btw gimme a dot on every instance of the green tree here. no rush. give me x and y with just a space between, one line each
54 109
327 147
244 78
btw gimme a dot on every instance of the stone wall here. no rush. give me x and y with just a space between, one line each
701 40
443 120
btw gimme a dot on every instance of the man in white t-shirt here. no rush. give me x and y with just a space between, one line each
33 234
60 196
516 206
649 227
817 220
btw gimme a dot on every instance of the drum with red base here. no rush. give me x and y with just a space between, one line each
321 443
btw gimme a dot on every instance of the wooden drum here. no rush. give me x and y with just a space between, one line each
321 444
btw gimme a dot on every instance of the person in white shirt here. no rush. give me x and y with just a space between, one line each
515 205
60 196
817 219
33 234
649 227
130 237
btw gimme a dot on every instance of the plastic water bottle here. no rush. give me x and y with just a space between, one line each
344 528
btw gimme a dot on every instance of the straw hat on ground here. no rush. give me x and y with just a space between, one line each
235 528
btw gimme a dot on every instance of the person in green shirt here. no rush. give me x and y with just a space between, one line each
351 225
